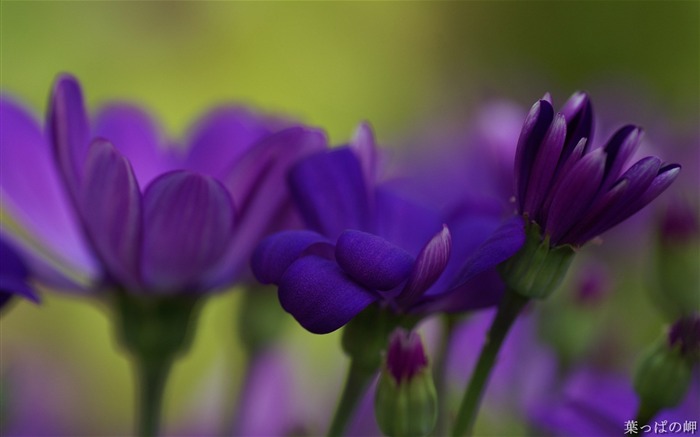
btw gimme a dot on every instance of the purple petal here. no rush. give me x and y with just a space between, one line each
365 147
221 137
588 225
188 224
619 150
132 131
562 172
110 207
277 252
579 122
604 212
330 191
430 264
533 132
258 185
544 166
634 200
575 194
404 222
13 275
505 242
320 296
372 261
68 130
32 195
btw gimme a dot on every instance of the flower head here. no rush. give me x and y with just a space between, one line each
573 191
106 197
369 245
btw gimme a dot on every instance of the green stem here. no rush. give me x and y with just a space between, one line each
355 385
508 311
152 376
448 325
645 413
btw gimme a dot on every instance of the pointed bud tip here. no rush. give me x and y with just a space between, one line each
405 355
685 334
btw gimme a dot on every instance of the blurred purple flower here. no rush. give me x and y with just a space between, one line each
572 191
593 402
368 244
117 206
14 276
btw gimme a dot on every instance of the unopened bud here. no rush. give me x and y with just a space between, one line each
406 401
662 376
685 336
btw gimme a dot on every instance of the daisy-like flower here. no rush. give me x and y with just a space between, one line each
572 190
107 201
107 205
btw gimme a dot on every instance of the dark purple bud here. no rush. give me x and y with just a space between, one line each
679 223
685 334
405 356
593 285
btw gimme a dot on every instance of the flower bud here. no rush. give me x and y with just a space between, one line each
677 259
685 335
662 376
405 403
537 269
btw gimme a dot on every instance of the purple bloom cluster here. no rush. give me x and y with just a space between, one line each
572 190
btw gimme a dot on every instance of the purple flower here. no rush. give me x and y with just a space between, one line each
368 244
14 276
573 191
111 201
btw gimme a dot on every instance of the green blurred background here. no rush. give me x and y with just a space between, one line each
331 64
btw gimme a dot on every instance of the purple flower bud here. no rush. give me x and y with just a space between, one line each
685 334
592 285
405 356
679 223
575 192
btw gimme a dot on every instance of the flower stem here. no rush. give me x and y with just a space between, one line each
355 386
645 413
508 311
152 375
439 370
155 331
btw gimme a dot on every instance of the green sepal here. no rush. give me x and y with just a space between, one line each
157 328
537 269
662 376
408 408
365 337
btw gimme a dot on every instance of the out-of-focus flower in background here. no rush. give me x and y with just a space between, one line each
14 276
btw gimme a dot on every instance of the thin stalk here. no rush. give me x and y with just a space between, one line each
645 413
439 370
508 311
355 386
152 376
